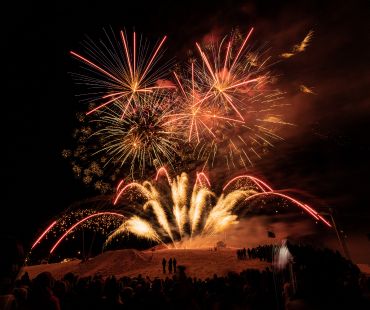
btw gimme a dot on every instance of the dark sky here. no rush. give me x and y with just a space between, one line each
326 155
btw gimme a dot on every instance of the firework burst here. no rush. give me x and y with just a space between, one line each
144 137
110 147
228 102
116 70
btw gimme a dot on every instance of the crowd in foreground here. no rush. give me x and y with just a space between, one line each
314 279
251 289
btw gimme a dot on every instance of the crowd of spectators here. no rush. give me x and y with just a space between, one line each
262 252
326 278
250 289
313 279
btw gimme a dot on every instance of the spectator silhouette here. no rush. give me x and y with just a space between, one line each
241 254
11 260
170 265
42 296
174 262
112 294
25 279
164 265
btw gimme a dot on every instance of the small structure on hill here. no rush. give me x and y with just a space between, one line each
220 245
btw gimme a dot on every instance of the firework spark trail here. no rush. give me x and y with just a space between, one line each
144 191
197 207
79 223
202 175
305 207
101 224
138 227
220 215
223 80
306 90
44 233
255 180
191 110
121 72
160 215
179 189
301 47
119 185
197 109
164 170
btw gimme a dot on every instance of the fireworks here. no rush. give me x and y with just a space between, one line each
192 212
139 227
74 220
172 213
143 137
79 223
223 106
306 90
197 211
225 76
114 71
299 48
111 147
232 102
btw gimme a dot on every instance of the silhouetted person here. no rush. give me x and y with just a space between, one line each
164 265
174 263
112 294
26 279
11 260
42 296
170 265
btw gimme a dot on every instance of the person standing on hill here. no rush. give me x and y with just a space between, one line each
164 265
170 265
174 263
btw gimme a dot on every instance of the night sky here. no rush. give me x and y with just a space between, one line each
326 155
